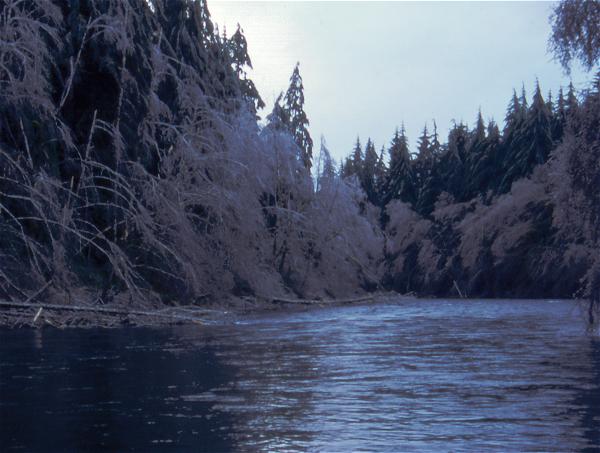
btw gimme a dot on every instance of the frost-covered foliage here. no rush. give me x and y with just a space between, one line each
131 162
576 32
533 241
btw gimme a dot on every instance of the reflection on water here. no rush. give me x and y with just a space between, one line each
416 375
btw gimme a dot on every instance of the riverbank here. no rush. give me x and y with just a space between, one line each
27 314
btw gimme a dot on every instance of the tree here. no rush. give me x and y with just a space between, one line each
325 166
576 35
278 119
533 144
454 162
514 122
576 32
479 160
293 105
560 117
238 53
380 172
424 159
369 170
354 162
400 183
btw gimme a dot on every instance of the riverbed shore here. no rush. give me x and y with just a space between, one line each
90 313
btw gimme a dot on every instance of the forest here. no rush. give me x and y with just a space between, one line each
135 169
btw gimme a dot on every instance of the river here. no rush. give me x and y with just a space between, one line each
415 375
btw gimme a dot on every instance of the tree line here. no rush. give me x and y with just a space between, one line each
482 161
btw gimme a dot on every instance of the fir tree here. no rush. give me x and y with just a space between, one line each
560 117
572 104
531 146
424 159
298 121
477 159
369 169
400 183
278 119
325 166
513 115
380 172
454 162
354 162
238 53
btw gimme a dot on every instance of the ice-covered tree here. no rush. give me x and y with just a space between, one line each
293 105
576 32
238 53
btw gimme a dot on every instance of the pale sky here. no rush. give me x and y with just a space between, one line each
368 66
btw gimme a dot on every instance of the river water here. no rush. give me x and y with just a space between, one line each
407 376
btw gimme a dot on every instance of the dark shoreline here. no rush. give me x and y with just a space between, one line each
15 315
38 315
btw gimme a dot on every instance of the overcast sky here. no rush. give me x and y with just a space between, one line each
368 66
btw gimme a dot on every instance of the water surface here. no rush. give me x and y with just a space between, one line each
410 376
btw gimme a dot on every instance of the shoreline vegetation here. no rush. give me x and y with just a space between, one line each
136 175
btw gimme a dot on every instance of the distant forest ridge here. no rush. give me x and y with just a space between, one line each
133 169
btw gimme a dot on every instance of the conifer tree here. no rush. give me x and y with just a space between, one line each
453 165
572 104
278 119
427 178
354 162
523 101
533 143
436 146
400 183
325 166
380 172
369 169
477 159
298 121
424 159
560 117
513 115
513 128
539 126
238 53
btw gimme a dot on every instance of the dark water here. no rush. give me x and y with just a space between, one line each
411 376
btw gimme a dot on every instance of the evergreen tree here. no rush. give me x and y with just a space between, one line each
454 162
513 128
539 124
354 162
427 177
560 117
325 166
523 101
278 119
238 53
513 115
436 146
380 172
533 143
477 159
572 104
400 183
424 160
423 147
298 121
369 169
